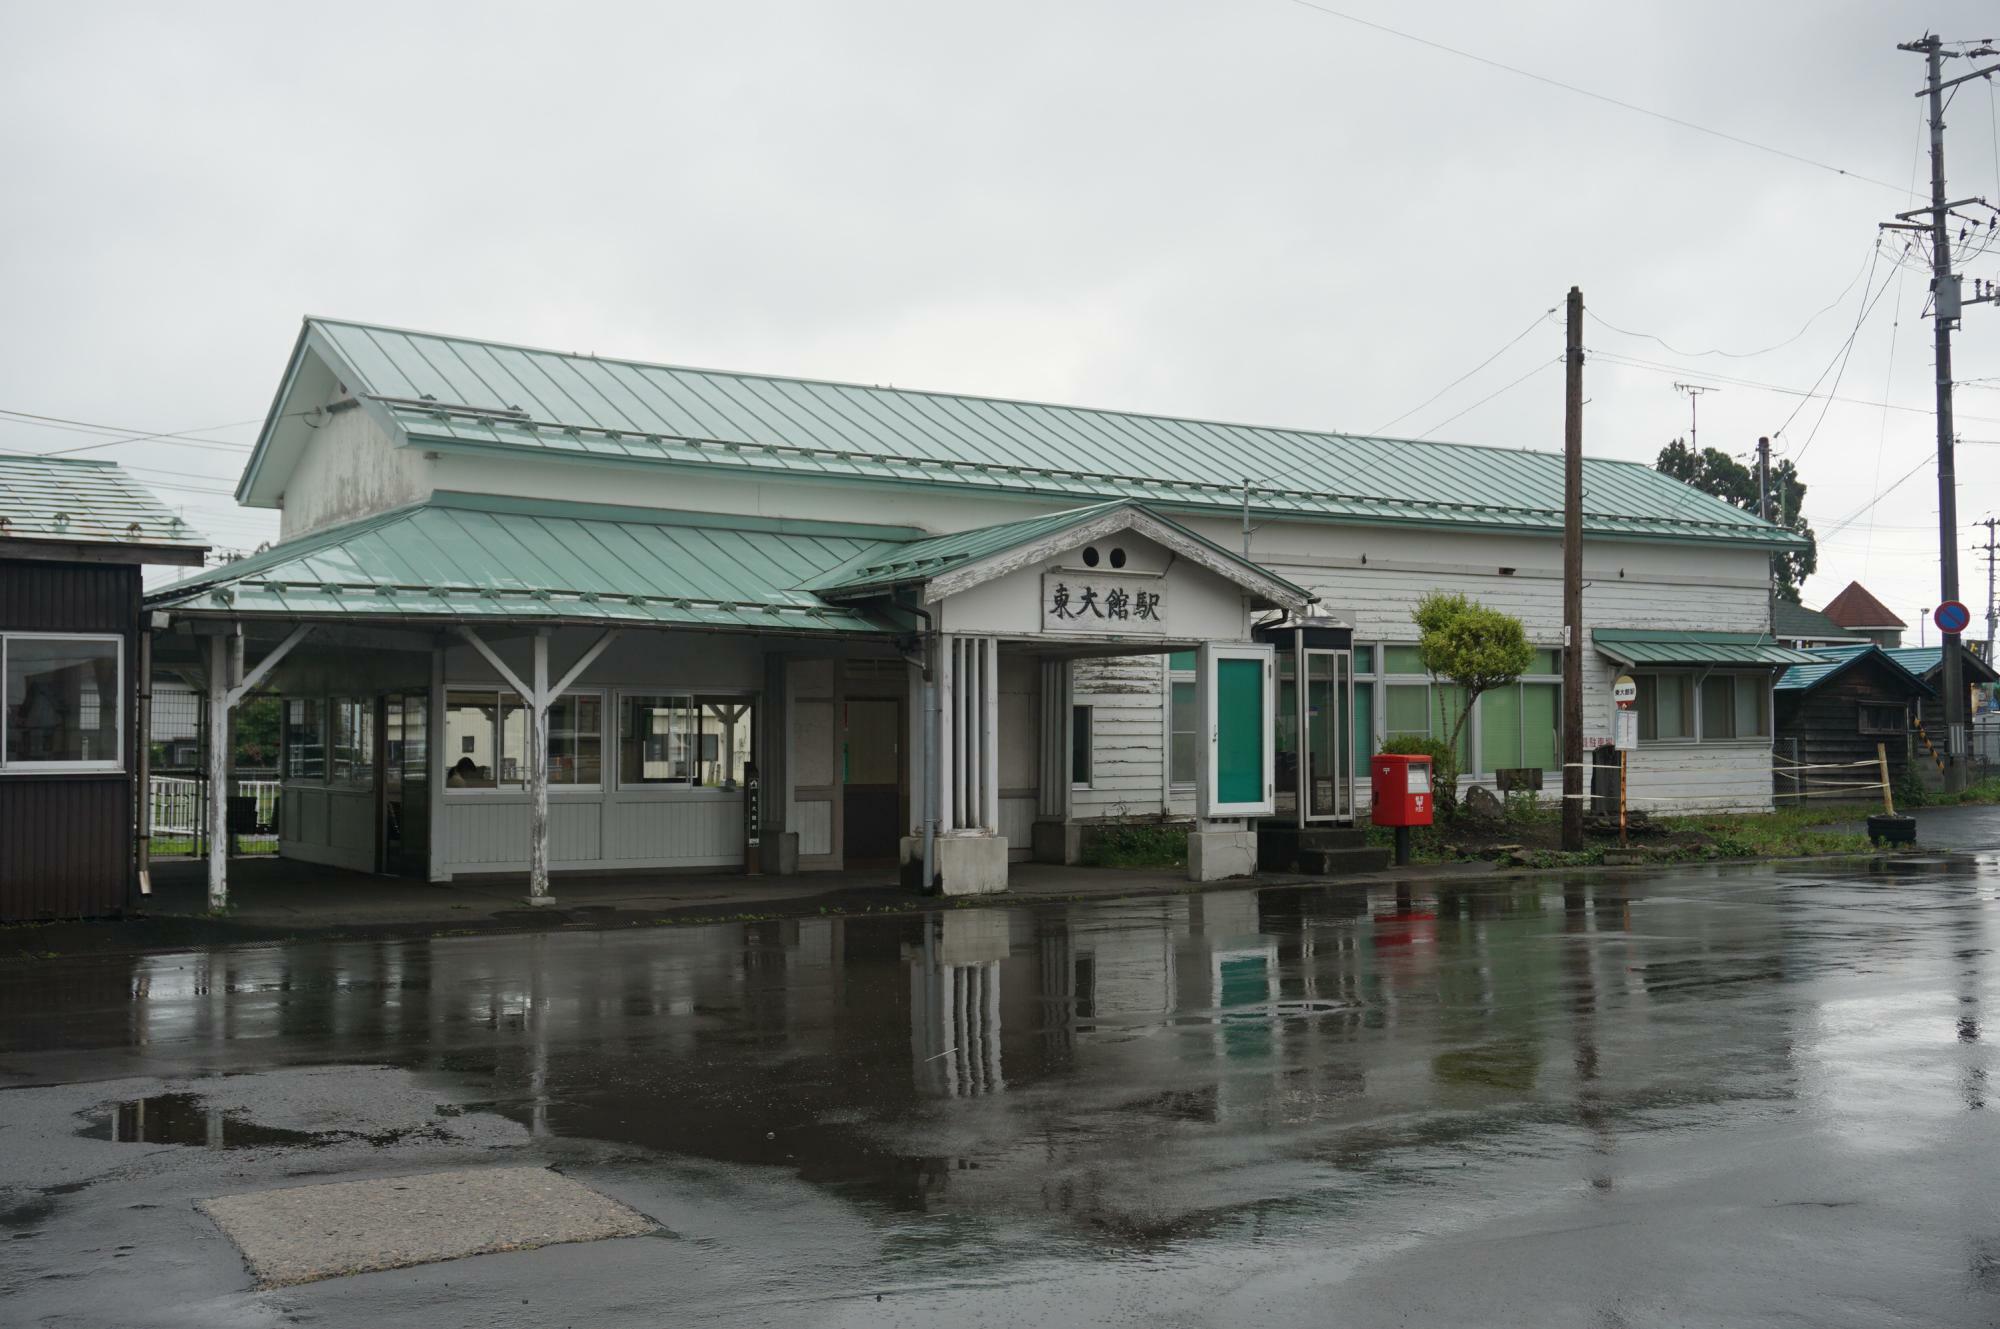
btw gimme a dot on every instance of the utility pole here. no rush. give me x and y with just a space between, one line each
1694 391
1572 727
1764 511
1991 607
1946 305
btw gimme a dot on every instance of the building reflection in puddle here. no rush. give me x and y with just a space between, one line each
955 1021
1239 1045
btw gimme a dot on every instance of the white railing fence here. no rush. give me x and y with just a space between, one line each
180 811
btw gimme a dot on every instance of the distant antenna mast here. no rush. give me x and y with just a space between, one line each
1694 391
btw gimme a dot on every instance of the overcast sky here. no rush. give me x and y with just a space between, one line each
1239 209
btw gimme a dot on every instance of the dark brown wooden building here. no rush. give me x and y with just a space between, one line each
74 536
1927 663
1831 716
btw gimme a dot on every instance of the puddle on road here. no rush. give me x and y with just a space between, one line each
184 1119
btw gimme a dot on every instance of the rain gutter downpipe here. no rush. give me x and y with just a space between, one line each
929 702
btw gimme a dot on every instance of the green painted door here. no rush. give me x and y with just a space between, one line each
1239 731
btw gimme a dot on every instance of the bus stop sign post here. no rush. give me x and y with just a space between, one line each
1625 695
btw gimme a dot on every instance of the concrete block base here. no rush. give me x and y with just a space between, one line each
538 900
966 864
1057 842
1214 855
781 854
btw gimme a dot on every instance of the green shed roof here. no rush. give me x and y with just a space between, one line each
472 557
1632 646
455 392
73 501
1832 661
1797 621
1921 660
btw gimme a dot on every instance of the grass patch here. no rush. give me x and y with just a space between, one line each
182 846
1143 845
1784 833
1986 791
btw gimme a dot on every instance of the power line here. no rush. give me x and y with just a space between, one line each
1538 321
1840 356
1867 266
187 437
1490 63
1655 367
1490 396
1846 353
1869 506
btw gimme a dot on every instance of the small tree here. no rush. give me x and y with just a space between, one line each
1474 648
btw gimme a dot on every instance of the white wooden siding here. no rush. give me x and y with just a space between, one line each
812 818
335 827
1126 698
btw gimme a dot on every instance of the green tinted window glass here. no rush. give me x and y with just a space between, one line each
1364 725
1446 703
1500 728
1364 659
1546 662
1181 660
1183 729
1541 710
1239 737
1405 713
1753 718
1718 707
1402 660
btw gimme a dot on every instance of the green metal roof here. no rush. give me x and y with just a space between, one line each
892 564
472 557
1790 620
454 392
1921 660
85 502
1632 646
1831 661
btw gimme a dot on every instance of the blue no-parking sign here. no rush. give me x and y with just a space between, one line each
1952 616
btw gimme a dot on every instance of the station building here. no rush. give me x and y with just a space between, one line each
549 612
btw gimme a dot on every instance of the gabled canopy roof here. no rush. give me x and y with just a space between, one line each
454 393
1642 647
950 563
478 557
1856 608
465 557
1833 661
67 501
1923 661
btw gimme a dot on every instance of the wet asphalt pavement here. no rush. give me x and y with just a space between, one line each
1736 1096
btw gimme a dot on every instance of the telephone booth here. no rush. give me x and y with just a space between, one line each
1315 722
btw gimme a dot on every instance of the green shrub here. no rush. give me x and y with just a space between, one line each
1444 768
1140 845
1909 790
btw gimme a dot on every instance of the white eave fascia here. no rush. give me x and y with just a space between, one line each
1124 518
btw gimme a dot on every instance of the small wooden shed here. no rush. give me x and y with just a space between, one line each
1834 714
74 536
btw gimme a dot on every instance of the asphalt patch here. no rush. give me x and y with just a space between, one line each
302 1234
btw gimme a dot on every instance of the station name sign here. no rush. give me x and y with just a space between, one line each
1086 602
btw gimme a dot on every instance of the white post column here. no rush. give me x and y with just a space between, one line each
219 657
947 738
989 743
538 775
968 736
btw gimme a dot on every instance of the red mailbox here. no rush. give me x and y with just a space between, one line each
1400 789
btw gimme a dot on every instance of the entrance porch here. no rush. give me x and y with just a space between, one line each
477 686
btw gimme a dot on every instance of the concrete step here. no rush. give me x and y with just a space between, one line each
1279 848
1343 862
